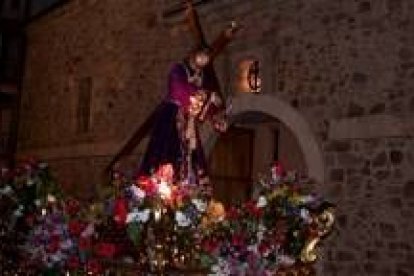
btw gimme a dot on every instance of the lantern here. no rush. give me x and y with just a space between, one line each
253 77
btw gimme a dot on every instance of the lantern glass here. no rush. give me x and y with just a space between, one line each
249 76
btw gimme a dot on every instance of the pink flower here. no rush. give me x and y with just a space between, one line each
165 172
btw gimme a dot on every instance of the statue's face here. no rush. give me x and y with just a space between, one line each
201 59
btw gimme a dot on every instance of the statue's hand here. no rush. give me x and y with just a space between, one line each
215 99
197 102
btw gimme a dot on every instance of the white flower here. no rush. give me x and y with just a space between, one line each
67 244
304 214
138 193
6 190
57 257
253 248
42 165
285 260
307 199
260 232
143 216
199 204
19 211
182 219
164 190
261 202
51 198
30 182
138 216
221 268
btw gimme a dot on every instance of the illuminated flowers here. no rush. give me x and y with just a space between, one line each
200 204
165 173
137 193
164 190
138 216
181 219
261 202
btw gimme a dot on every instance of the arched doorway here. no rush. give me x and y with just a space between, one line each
273 111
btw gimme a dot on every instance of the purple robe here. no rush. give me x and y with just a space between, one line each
166 144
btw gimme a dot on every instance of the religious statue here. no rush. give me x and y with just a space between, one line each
193 97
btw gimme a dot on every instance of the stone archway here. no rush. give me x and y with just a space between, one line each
280 110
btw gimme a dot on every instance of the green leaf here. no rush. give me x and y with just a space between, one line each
134 231
207 260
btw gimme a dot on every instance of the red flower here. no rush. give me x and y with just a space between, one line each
210 245
147 185
279 239
73 263
53 246
106 250
237 240
93 267
253 210
120 211
76 227
233 213
85 244
30 220
263 248
72 207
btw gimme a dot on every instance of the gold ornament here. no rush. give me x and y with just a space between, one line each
324 223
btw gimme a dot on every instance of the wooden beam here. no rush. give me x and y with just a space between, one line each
40 14
179 8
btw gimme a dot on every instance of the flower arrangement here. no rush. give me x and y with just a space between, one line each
277 230
160 225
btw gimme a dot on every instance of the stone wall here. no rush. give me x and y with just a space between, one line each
346 66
